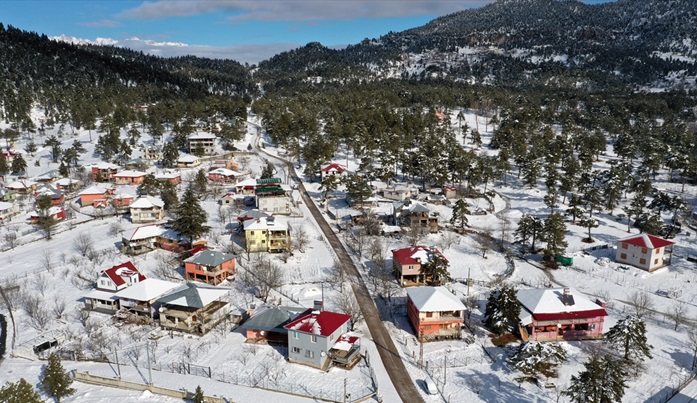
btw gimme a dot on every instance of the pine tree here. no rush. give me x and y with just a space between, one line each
56 381
190 217
629 337
149 186
588 223
502 309
200 183
19 165
55 145
554 234
436 268
30 147
19 392
602 381
168 194
198 396
534 357
4 166
46 221
268 171
170 155
460 212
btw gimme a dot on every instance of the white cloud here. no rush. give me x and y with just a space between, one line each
242 53
300 10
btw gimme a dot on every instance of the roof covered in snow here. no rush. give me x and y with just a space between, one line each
201 136
210 258
415 254
265 223
322 323
97 189
272 318
554 304
147 290
647 241
116 273
129 174
147 202
434 299
193 295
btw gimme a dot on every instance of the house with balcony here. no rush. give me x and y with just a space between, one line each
153 152
205 142
407 263
147 238
266 234
138 303
246 187
644 251
273 196
332 169
57 197
172 177
102 297
7 195
409 212
103 171
266 324
188 161
552 314
22 186
8 210
320 339
435 313
210 266
129 177
147 209
193 308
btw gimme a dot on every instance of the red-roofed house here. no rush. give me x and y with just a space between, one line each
223 175
314 333
549 314
129 177
332 169
407 263
111 280
644 251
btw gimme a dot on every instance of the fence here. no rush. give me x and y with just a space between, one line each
189 369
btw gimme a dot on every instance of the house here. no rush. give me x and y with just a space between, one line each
56 212
315 333
153 152
48 176
110 281
251 215
267 234
228 164
407 263
194 308
210 266
57 196
266 324
103 171
202 141
147 238
449 192
272 196
435 313
8 210
246 186
399 193
223 175
11 153
332 169
408 213
7 195
22 186
228 199
139 164
647 252
67 184
139 301
188 161
96 192
121 201
129 177
147 209
549 314
172 177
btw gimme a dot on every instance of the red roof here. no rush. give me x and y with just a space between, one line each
647 241
406 255
318 322
334 167
125 269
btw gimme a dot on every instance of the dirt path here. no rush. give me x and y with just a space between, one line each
386 348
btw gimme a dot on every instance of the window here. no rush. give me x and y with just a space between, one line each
624 245
296 350
644 250
642 261
655 261
623 255
657 250
429 314
313 338
309 354
296 335
251 232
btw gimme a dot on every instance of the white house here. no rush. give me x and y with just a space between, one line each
188 161
644 251
202 141
333 169
7 210
147 209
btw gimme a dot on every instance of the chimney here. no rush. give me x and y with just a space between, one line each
318 306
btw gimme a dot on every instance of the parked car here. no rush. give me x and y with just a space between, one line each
430 387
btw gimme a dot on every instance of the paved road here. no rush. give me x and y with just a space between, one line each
388 351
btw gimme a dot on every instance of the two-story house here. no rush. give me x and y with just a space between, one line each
129 177
266 234
435 313
273 196
205 142
410 213
210 266
407 263
47 189
194 308
103 171
223 175
7 195
647 252
188 161
139 301
8 210
331 170
147 209
314 333
102 297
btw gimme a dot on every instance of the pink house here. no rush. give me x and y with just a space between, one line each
550 314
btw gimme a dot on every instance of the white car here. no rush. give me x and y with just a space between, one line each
430 387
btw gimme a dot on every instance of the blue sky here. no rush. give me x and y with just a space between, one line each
244 30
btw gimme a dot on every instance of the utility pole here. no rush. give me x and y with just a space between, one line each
445 368
421 349
344 390
147 349
468 281
118 367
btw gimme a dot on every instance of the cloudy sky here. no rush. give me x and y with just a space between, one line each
244 30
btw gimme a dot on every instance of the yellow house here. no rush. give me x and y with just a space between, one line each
267 234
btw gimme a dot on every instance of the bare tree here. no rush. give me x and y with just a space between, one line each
46 259
678 314
39 316
376 252
59 307
266 277
40 283
385 283
11 238
115 228
335 275
300 239
692 342
606 297
641 304
83 315
448 239
83 243
415 233
166 267
346 302
485 240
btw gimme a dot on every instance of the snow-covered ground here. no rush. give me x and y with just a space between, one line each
468 370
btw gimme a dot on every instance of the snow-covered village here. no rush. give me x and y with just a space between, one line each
344 247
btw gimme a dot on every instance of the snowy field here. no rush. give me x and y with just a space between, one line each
468 370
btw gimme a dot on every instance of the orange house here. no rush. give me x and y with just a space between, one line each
210 266
103 171
95 193
129 177
435 313
174 178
